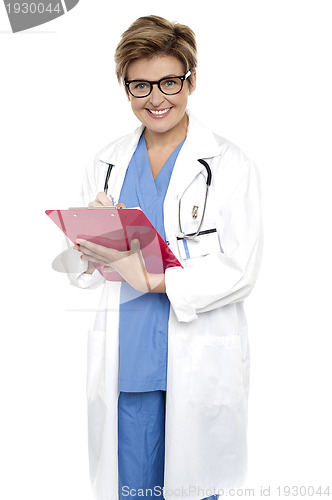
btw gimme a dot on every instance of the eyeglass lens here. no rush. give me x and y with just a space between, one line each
168 86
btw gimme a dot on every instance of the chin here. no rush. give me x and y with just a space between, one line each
161 126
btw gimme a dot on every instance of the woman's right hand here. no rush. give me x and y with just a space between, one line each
102 200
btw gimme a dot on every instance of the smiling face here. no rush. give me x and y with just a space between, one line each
160 113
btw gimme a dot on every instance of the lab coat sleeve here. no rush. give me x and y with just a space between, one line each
76 267
215 280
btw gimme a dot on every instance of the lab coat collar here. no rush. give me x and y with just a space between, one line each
201 142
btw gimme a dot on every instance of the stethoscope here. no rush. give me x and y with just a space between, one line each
181 235
194 236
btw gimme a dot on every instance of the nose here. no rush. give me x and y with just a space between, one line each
156 96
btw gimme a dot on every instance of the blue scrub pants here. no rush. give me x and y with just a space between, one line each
141 445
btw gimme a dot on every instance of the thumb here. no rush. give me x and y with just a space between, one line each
135 246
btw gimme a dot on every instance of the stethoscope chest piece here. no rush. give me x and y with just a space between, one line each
195 211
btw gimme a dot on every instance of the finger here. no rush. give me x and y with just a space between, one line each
94 204
103 199
135 246
94 255
101 252
91 247
84 247
120 205
113 256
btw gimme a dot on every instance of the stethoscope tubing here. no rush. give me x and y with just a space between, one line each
108 173
181 235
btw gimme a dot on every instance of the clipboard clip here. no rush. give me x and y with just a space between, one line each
95 208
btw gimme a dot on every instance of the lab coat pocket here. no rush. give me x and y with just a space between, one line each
96 357
217 373
206 243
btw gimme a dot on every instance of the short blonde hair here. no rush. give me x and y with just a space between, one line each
151 36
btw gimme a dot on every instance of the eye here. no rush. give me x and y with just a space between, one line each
171 85
141 86
168 83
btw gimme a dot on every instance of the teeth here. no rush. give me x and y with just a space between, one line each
161 112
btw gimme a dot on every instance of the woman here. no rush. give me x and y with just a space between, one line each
178 352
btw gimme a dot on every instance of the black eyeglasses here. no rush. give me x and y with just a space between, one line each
168 86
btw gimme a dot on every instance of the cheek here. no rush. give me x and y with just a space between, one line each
136 105
135 109
181 102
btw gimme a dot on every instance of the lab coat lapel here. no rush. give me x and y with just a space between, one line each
200 143
120 157
185 171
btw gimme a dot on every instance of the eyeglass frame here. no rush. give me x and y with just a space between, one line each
157 82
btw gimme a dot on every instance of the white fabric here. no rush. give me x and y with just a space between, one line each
208 354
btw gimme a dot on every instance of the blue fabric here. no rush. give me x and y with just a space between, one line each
141 445
185 244
144 320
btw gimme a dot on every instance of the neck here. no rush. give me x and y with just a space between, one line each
173 137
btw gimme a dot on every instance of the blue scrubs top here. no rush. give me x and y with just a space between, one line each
144 319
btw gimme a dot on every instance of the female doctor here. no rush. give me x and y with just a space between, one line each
168 369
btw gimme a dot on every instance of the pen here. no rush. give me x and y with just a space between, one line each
109 170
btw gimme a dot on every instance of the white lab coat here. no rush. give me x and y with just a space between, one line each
208 355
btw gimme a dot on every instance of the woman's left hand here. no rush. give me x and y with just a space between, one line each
130 264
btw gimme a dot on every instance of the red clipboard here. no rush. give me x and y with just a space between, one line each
116 228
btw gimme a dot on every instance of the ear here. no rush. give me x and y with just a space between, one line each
126 90
192 84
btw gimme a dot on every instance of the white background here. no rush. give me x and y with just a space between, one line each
264 82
